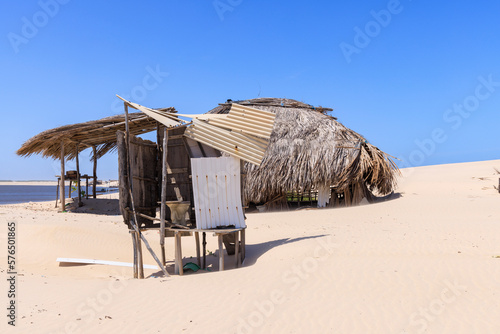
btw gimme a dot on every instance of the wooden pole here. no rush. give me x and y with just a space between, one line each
140 262
134 220
63 195
237 249
57 191
221 252
94 186
78 181
204 244
134 243
163 206
178 254
197 240
243 245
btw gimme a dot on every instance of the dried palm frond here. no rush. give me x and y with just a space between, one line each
308 148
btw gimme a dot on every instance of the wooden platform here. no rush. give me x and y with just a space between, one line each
75 179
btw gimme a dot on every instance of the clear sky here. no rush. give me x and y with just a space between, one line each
419 79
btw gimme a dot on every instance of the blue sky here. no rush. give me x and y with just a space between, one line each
419 79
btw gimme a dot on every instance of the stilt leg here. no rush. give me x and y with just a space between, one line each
134 245
57 192
163 259
197 240
204 243
179 270
237 249
221 253
139 257
242 245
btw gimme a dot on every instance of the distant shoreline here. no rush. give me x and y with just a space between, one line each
28 183
112 184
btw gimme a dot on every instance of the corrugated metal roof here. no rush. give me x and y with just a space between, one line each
245 147
165 118
246 120
243 132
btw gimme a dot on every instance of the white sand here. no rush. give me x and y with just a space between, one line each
421 263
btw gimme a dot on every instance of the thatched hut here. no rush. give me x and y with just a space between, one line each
68 141
311 152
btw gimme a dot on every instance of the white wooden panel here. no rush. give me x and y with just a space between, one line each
217 194
110 263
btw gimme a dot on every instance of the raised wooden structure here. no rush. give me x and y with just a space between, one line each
163 171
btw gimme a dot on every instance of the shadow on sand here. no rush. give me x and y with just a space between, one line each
392 196
97 206
253 253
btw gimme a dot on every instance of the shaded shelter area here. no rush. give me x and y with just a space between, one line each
67 142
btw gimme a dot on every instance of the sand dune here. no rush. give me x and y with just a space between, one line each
423 262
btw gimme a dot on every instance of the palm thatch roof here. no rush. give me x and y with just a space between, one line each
99 133
309 149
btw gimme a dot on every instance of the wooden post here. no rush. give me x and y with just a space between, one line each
242 245
78 181
178 254
86 188
237 249
94 186
197 240
57 191
134 220
221 253
140 263
134 244
204 245
176 260
63 196
163 206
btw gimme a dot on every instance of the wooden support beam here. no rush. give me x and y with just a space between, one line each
57 191
242 245
94 175
204 245
237 249
133 222
134 245
163 205
179 270
140 262
221 252
63 196
78 181
197 240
